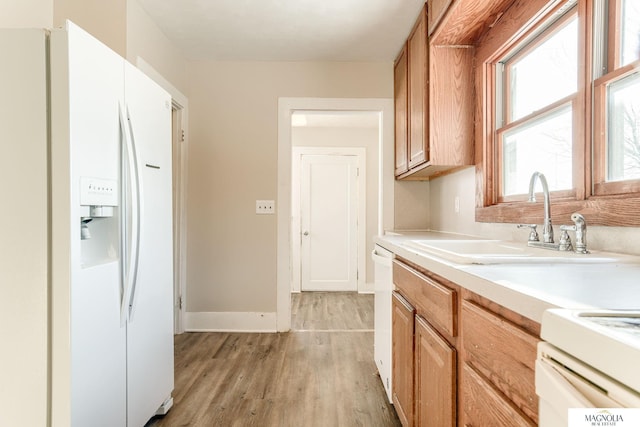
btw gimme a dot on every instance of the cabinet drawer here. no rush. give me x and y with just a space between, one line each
503 352
435 302
485 406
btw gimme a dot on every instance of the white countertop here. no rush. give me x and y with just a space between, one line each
530 289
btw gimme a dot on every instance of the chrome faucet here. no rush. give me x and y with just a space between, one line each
547 228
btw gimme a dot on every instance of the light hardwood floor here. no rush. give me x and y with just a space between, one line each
320 374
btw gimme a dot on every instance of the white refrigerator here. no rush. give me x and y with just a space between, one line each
109 316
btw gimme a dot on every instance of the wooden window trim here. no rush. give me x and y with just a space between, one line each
610 210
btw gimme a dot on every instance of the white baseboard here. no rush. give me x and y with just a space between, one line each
230 322
367 288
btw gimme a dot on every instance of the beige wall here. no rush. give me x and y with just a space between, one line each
24 229
411 207
26 13
146 41
105 20
351 137
233 161
462 183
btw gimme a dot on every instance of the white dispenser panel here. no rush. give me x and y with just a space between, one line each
98 192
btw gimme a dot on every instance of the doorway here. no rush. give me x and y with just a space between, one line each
177 143
383 185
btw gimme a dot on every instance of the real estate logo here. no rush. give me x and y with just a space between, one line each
604 417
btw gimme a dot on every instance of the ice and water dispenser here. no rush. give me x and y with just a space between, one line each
99 222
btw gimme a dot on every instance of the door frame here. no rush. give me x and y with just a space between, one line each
286 107
296 174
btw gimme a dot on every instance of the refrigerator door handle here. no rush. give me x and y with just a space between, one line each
130 262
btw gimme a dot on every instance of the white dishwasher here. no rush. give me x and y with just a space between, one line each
383 280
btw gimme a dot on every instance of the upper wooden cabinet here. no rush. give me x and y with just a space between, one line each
418 92
400 102
435 119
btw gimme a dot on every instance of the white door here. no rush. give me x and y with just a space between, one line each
329 223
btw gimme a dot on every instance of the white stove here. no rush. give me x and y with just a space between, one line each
590 359
607 340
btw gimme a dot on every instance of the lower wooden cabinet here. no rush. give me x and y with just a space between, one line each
458 358
504 353
402 328
435 377
486 406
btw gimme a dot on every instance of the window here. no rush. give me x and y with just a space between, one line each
538 82
559 86
630 31
623 129
617 104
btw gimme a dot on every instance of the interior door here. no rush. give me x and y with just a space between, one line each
329 223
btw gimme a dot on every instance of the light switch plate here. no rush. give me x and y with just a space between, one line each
265 207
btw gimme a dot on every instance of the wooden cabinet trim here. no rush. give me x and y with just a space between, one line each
435 11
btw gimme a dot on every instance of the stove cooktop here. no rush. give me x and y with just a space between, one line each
622 324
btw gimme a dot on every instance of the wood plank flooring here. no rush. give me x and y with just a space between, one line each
331 311
321 374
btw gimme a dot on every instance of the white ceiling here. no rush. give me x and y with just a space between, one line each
286 30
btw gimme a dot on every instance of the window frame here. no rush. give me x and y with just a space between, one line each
615 73
518 22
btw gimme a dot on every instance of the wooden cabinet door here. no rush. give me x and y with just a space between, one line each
401 118
418 92
402 358
435 378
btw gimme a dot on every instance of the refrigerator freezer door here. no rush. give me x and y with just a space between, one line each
87 84
150 327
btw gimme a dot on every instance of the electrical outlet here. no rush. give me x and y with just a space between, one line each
265 207
456 204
